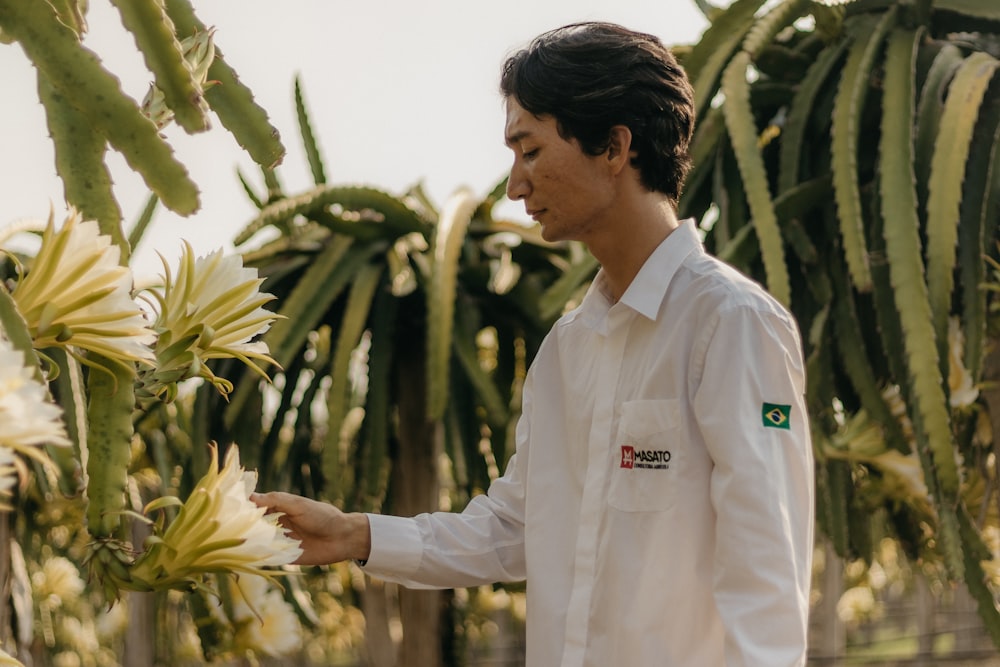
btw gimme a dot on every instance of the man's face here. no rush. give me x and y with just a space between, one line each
565 190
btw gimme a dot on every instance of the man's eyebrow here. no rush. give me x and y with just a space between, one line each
512 139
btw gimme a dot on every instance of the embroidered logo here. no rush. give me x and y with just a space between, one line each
650 459
774 415
628 456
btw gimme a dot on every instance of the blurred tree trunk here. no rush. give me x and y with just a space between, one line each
415 489
6 606
379 643
140 635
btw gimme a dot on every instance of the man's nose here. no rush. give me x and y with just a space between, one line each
517 184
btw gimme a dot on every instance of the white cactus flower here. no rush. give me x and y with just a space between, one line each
76 295
212 310
265 623
28 419
218 530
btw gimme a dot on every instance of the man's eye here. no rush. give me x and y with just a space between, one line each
530 154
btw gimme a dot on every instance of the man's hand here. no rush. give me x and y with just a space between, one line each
327 534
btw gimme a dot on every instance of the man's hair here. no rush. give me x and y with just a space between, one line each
593 76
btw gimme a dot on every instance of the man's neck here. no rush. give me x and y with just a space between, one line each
626 244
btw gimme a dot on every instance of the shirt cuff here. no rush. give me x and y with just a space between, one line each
397 548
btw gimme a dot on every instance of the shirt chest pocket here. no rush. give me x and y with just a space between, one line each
648 457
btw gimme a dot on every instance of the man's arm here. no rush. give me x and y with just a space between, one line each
751 411
328 535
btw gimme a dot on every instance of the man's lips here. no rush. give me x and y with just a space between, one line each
534 212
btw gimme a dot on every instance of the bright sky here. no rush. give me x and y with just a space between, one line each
399 92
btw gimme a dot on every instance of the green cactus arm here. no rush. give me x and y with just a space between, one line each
378 407
142 222
765 28
76 72
554 299
109 446
446 251
308 136
743 136
904 256
800 112
467 354
79 154
352 326
948 171
975 553
231 100
157 41
929 409
848 106
852 350
980 210
707 59
972 8
981 9
398 217
69 386
929 110
704 144
320 285
72 13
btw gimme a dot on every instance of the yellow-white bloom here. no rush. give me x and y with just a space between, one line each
28 419
7 660
218 529
962 390
211 311
76 295
8 473
199 53
57 582
264 622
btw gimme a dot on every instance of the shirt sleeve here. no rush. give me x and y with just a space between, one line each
483 544
751 411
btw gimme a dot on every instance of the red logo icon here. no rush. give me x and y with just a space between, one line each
628 456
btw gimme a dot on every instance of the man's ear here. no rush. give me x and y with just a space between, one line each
619 147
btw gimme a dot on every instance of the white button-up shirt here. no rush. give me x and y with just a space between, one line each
660 501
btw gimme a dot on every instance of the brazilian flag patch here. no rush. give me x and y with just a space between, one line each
774 415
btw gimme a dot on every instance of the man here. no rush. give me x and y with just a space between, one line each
660 501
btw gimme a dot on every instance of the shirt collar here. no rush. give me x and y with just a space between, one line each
645 294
